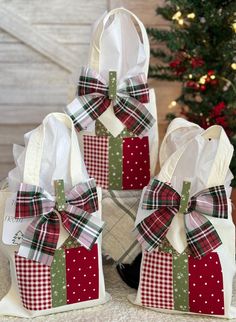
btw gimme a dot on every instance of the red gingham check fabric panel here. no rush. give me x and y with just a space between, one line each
157 280
96 158
34 284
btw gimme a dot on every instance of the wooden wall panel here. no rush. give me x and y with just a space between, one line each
57 11
33 85
11 134
145 10
5 168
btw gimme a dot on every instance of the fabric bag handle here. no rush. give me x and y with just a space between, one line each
98 33
221 162
177 123
34 151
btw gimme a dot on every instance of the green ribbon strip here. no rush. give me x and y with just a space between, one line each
101 130
58 279
70 242
115 163
112 85
185 197
60 194
180 276
180 282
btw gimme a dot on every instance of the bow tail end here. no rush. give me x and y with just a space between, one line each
90 234
40 239
134 115
151 231
40 256
83 227
86 109
202 238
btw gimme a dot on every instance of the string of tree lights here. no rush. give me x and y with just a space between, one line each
199 52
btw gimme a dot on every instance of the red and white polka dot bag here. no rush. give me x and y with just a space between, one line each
118 136
184 224
50 225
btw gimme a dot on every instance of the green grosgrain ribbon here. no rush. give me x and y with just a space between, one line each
101 130
185 197
58 279
180 276
112 85
115 163
60 194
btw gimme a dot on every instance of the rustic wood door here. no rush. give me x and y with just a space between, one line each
42 46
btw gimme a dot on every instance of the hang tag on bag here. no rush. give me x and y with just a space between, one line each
13 228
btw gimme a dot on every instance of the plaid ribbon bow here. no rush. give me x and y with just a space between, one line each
202 237
93 95
41 236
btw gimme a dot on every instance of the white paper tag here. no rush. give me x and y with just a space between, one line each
13 228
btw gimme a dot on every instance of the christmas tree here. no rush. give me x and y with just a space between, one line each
200 52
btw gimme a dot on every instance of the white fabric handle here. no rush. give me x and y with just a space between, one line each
34 153
221 162
189 128
95 49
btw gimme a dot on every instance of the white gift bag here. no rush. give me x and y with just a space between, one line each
182 272
74 279
117 46
117 158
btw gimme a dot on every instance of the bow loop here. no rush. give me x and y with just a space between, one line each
137 88
202 237
212 202
90 82
41 236
32 201
159 194
84 195
128 104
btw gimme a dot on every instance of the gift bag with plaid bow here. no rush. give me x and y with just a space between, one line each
116 119
184 225
50 225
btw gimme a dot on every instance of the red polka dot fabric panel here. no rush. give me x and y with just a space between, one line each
118 163
72 278
201 290
206 285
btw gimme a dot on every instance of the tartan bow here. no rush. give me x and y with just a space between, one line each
202 237
93 95
41 236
